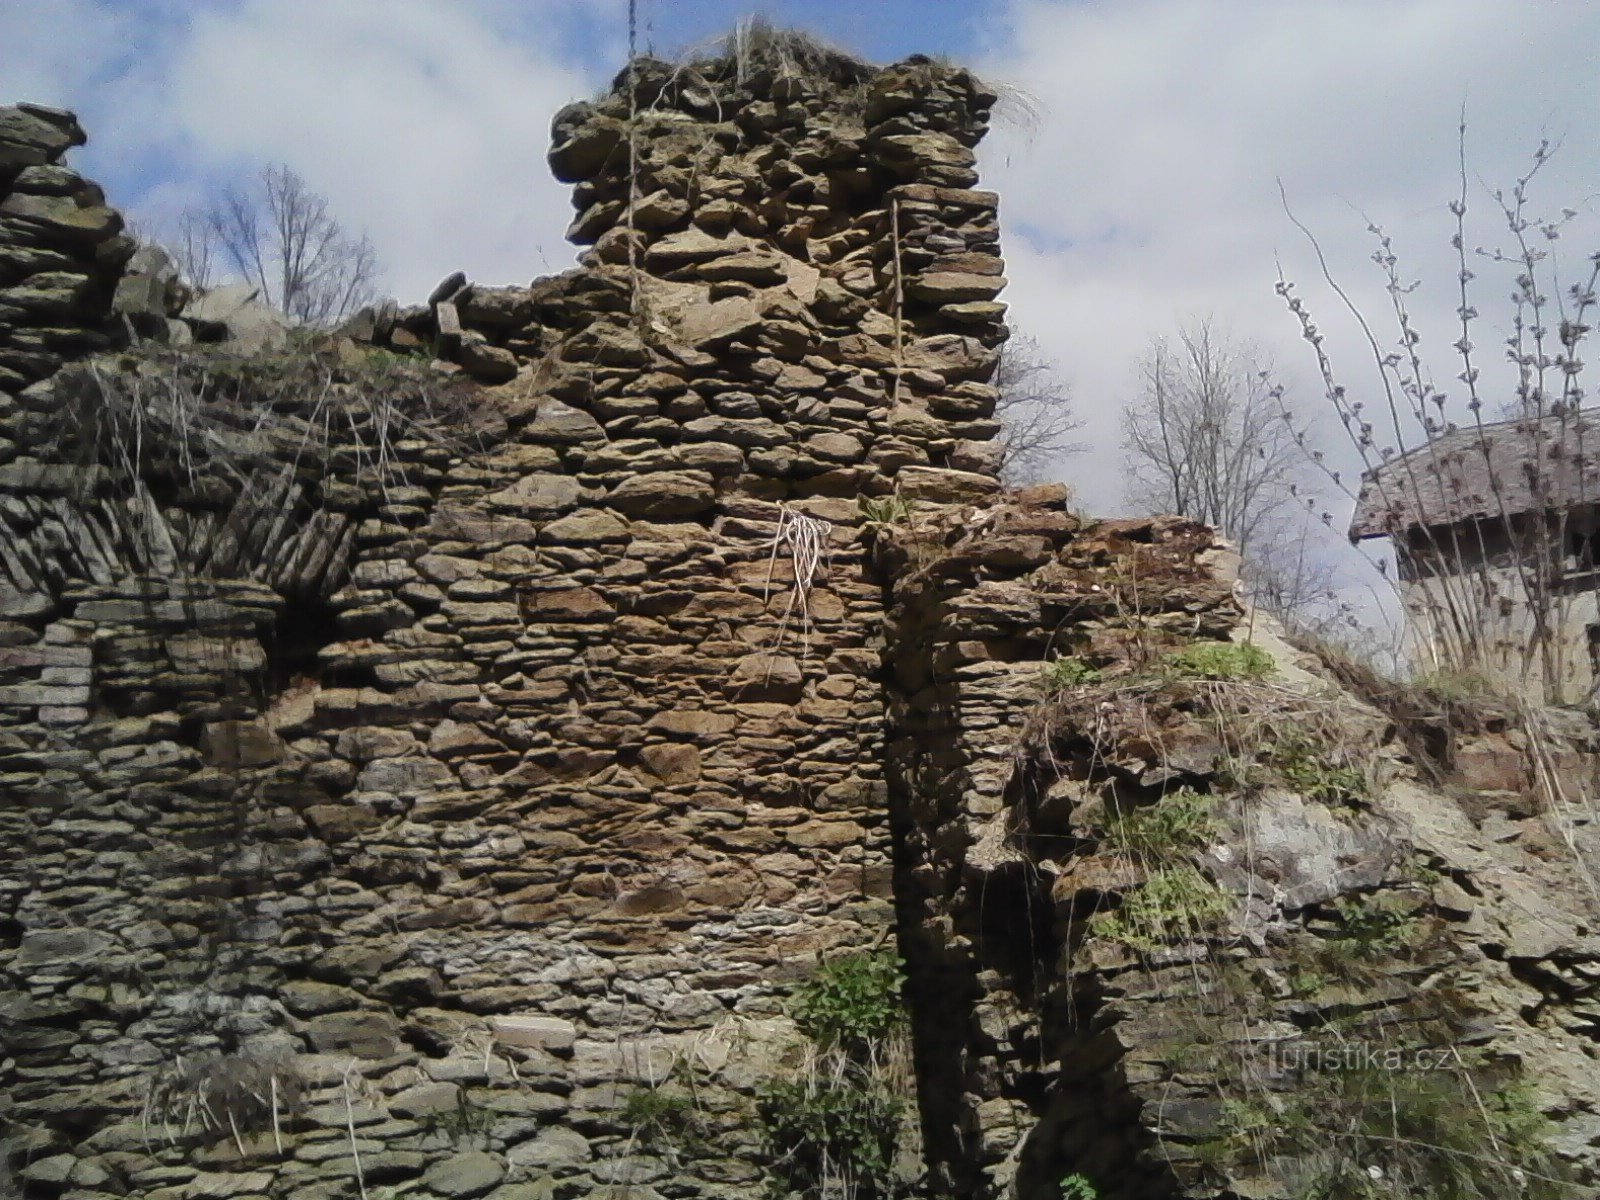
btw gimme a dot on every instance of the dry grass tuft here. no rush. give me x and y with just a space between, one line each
234 1094
756 46
190 416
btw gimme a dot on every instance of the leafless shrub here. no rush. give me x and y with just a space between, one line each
1490 522
1203 437
757 45
1035 410
234 1094
281 237
194 249
187 413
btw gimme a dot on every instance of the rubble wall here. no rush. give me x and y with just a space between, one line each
420 773
404 765
1397 920
61 253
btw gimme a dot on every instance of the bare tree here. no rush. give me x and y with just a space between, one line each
281 237
1035 412
193 247
1291 576
1205 436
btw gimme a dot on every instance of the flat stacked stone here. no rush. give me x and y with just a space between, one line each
61 251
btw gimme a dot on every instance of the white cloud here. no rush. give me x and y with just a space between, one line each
417 120
55 53
1168 122
425 121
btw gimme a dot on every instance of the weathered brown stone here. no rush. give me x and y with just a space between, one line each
566 604
375 741
541 495
340 822
584 142
945 287
692 723
561 424
694 246
943 486
672 764
663 494
457 522
766 677
708 326
586 527
242 743
464 1175
364 1034
486 363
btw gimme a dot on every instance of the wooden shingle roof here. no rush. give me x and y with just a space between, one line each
1483 471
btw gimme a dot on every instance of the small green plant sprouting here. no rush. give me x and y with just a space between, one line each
1174 902
886 510
1307 979
661 1116
1516 1116
832 1125
1436 1134
1221 661
1244 1124
1427 873
1165 831
1375 927
851 1002
1459 685
831 1132
466 1120
1367 933
1077 1187
1066 672
1313 772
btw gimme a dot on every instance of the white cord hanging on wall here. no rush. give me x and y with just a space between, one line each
807 542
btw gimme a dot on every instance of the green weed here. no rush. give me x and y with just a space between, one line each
466 1120
832 1125
1175 902
1067 672
886 510
1180 822
837 1129
1376 927
1221 661
1313 772
851 1002
663 1117
1435 1135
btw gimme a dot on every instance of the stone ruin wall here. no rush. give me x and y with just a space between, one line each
1044 1049
486 780
481 777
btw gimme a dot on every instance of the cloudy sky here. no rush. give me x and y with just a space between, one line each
1139 164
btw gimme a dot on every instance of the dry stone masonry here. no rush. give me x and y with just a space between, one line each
61 249
409 770
431 753
1398 942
